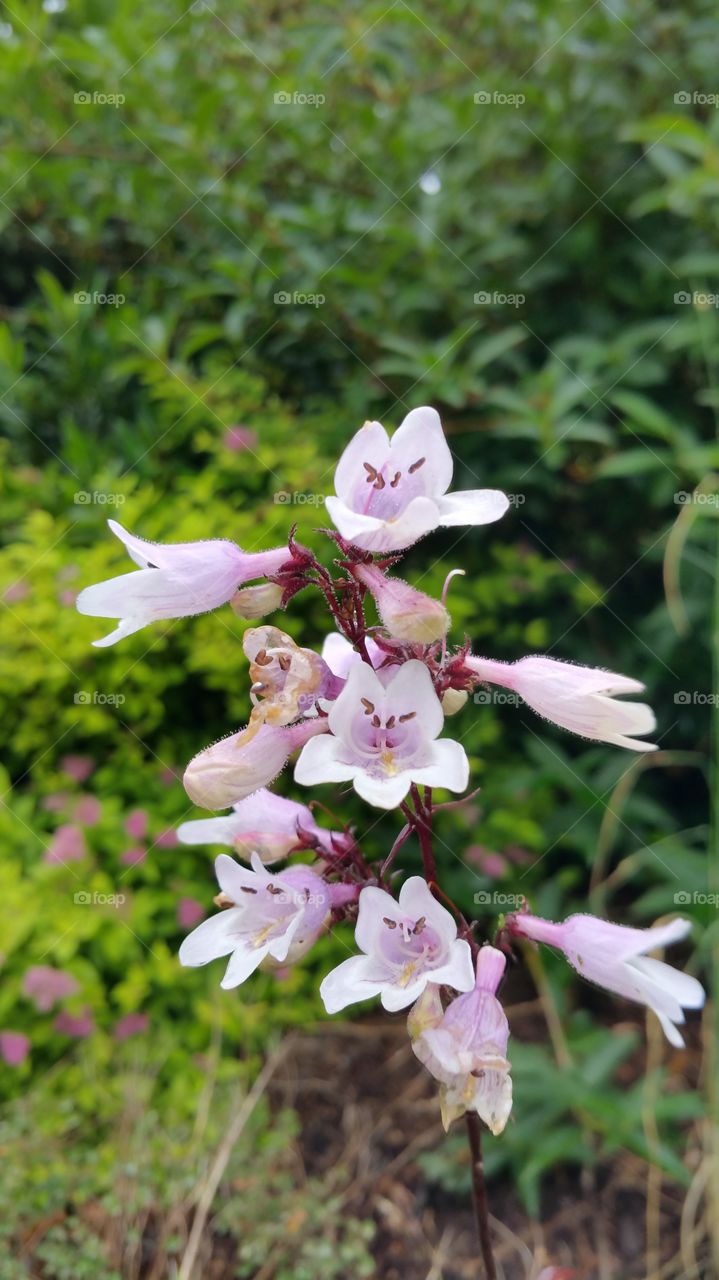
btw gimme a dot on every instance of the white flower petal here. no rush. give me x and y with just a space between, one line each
383 792
449 767
472 507
369 444
243 963
347 985
213 938
458 971
319 761
411 689
420 435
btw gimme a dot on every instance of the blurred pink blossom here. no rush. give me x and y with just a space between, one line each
14 1047
56 801
77 767
68 845
47 986
134 856
78 1026
166 839
239 438
136 824
67 598
189 913
15 592
87 810
133 1024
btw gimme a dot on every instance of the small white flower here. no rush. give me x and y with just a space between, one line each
406 944
383 738
392 492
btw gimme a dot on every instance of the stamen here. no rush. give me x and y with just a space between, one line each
416 465
390 723
371 472
376 722
420 924
261 658
393 483
285 662
409 715
274 889
379 482
368 706
246 889
391 924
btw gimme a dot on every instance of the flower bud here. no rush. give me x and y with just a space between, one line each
408 614
453 700
257 601
239 765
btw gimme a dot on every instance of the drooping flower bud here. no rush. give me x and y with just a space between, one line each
453 700
257 601
465 1047
240 764
263 823
407 613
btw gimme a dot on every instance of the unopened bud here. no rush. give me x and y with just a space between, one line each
453 700
407 613
257 601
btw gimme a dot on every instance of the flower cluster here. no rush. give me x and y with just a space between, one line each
369 710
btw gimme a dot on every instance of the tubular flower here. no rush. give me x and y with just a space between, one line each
615 957
392 492
263 823
273 918
581 699
240 764
175 580
383 738
465 1047
406 944
287 681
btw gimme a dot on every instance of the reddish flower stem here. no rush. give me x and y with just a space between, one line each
479 1189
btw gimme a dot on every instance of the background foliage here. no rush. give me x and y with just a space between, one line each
201 405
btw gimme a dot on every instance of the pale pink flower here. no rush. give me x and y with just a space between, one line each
78 767
16 592
77 1026
189 913
383 738
465 1046
56 801
287 681
615 957
240 764
341 656
175 580
47 986
67 845
14 1048
392 492
274 918
581 699
406 944
133 1024
408 614
263 823
136 824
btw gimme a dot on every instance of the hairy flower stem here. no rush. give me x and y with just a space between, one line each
423 827
479 1190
